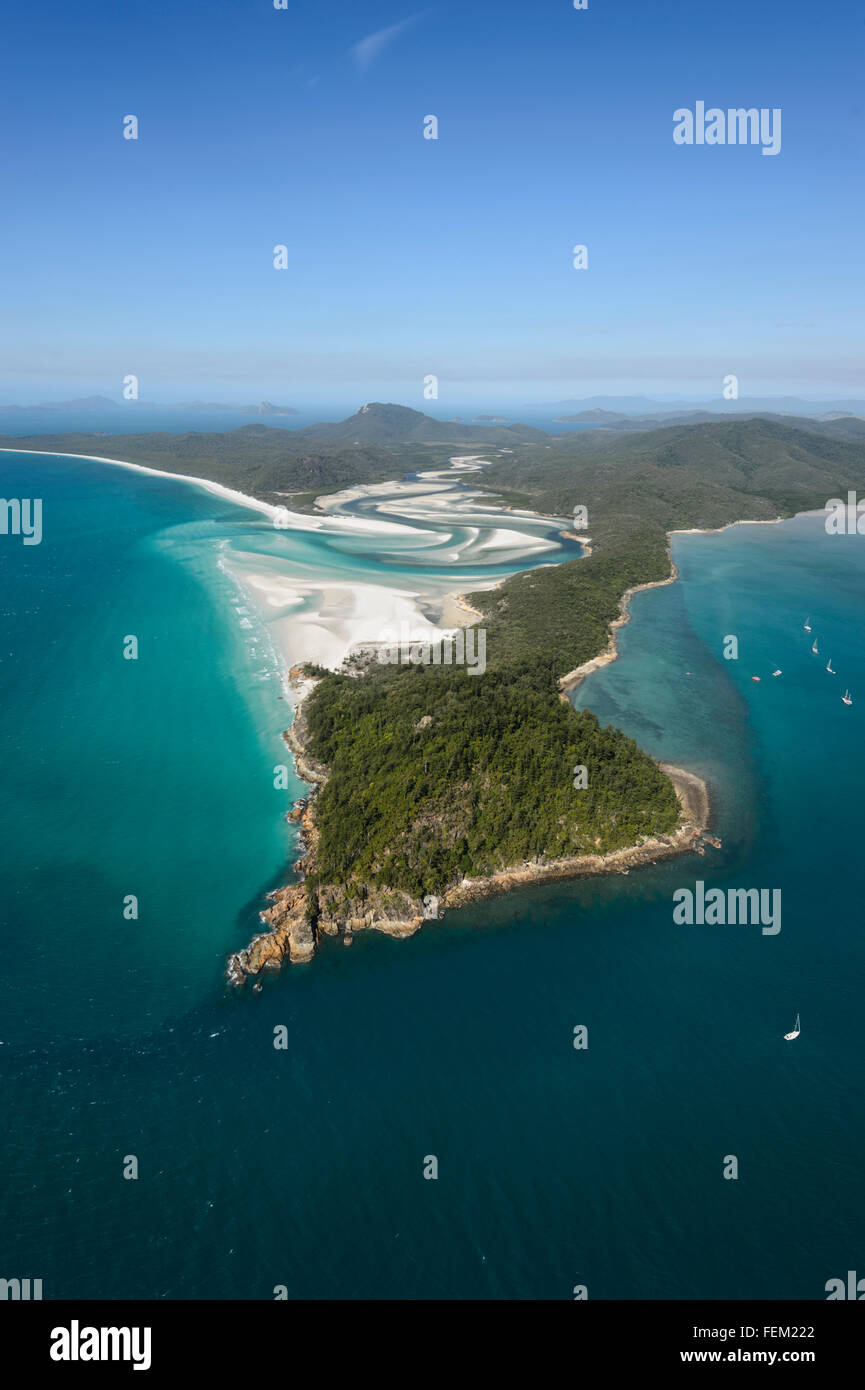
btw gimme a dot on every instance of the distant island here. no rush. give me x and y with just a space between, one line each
99 404
748 405
845 426
594 417
475 793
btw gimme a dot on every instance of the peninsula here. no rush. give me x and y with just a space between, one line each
433 785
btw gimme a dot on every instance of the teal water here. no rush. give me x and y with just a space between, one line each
261 1167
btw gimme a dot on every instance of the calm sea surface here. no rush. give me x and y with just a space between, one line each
304 1167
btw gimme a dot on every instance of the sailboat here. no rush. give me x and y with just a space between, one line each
807 624
829 668
814 648
846 698
788 1037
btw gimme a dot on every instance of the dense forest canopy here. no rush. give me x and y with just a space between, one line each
434 774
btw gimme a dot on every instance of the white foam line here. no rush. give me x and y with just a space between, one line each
323 619
240 498
289 521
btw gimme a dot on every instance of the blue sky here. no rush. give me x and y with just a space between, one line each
410 256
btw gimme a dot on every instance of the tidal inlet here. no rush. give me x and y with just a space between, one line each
432 545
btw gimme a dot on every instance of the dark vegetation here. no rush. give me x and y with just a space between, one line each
435 773
637 488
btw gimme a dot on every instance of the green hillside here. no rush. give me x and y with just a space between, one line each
434 773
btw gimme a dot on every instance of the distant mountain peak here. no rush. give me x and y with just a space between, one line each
268 408
388 411
377 422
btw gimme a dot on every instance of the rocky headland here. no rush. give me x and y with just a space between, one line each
302 913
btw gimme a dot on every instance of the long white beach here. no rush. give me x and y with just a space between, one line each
321 618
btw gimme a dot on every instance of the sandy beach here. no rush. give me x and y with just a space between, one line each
458 612
322 621
228 493
320 616
434 518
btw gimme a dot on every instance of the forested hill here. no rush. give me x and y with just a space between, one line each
256 459
435 773
692 475
636 489
680 475
376 444
635 486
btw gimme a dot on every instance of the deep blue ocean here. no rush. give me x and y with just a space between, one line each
261 1167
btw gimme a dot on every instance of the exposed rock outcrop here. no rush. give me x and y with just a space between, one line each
302 912
291 937
360 906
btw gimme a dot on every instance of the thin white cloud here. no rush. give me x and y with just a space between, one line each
369 49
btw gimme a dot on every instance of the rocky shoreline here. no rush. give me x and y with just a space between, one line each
298 918
691 835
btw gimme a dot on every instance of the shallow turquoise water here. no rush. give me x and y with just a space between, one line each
261 1167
